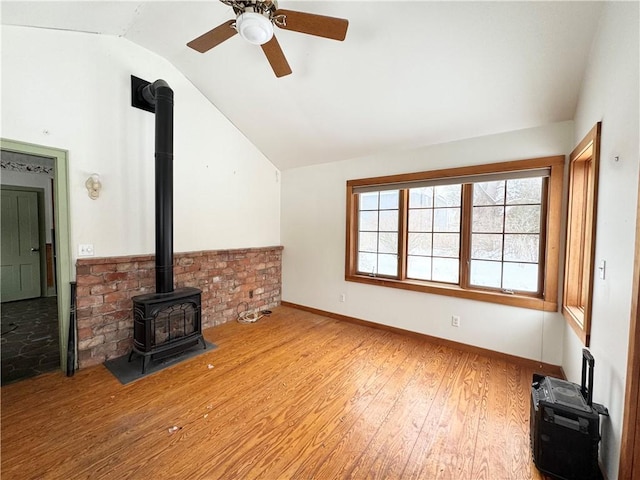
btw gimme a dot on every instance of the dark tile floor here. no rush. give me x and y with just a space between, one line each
29 338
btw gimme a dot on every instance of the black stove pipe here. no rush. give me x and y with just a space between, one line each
160 95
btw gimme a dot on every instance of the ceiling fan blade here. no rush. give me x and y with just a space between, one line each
213 37
312 24
276 57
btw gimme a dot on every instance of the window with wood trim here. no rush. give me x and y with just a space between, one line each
580 241
488 232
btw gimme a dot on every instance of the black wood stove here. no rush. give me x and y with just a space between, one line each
168 321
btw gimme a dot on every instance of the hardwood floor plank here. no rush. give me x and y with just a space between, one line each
369 421
323 414
490 457
391 446
293 396
345 443
235 407
276 423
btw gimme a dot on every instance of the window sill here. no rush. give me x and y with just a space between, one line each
515 300
575 317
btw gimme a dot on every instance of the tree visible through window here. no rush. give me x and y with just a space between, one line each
479 232
434 233
505 234
378 233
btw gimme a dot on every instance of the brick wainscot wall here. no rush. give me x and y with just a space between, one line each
226 277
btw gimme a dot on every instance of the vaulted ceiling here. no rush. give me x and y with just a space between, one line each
408 74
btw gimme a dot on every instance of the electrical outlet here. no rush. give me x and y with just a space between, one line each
455 321
343 297
85 250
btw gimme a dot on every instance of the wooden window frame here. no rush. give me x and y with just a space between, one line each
546 301
581 231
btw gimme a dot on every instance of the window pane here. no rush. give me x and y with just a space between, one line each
378 233
521 248
388 242
369 201
367 262
387 264
524 190
487 219
368 242
489 193
389 199
522 219
485 274
419 244
447 195
420 220
421 197
446 245
504 223
486 246
521 276
446 270
446 219
368 221
388 220
419 268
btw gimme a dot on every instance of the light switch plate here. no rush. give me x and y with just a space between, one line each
85 250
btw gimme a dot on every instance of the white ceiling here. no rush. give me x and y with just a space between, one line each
408 74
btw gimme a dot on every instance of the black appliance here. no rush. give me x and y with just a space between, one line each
168 321
565 425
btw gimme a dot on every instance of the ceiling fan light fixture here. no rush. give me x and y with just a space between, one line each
254 27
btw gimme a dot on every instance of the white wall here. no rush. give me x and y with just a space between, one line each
72 91
313 232
610 94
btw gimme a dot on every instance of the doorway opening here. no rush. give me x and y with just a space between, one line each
35 292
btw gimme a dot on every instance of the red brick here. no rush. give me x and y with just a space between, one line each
89 280
124 344
116 276
83 312
120 315
84 333
106 267
102 309
103 350
102 288
90 342
89 301
224 276
126 267
116 297
83 270
83 291
125 324
124 305
128 285
113 337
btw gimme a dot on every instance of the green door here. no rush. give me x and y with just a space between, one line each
20 250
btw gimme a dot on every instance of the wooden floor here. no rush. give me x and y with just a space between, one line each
294 396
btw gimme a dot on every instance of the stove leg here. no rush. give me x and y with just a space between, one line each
144 363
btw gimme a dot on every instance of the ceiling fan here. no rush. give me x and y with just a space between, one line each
254 22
